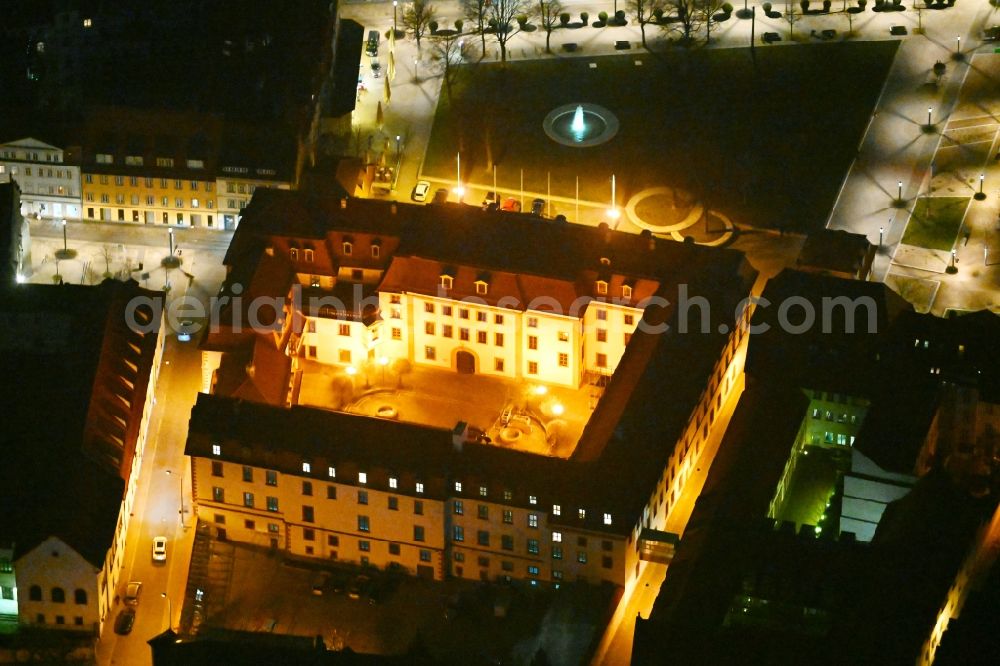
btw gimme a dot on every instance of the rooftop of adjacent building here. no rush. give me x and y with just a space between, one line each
75 379
835 251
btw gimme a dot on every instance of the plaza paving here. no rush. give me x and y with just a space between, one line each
548 423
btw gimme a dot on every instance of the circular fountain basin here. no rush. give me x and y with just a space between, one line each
580 125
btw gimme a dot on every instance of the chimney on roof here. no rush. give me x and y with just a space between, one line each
343 203
392 208
459 435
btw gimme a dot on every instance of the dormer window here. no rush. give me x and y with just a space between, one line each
293 253
626 291
376 249
602 287
482 287
309 254
348 248
447 281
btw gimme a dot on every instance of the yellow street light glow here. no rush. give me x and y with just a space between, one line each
558 409
613 213
459 190
351 370
541 390
383 360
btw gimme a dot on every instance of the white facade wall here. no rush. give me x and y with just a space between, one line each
49 188
52 565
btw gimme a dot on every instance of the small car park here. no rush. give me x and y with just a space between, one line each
125 621
420 191
132 592
160 549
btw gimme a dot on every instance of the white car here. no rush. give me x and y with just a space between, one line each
421 190
132 593
160 549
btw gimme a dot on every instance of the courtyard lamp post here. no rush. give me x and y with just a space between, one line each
899 190
383 361
952 268
398 137
929 123
170 611
958 46
980 195
459 190
65 247
613 211
881 231
394 3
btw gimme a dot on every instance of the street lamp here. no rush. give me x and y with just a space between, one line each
952 269
170 236
394 3
929 123
881 231
980 195
397 147
459 190
613 211
170 611
383 361
899 190
65 247
958 45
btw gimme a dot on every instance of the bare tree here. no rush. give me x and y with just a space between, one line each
448 51
503 18
418 17
792 19
687 17
477 11
644 12
708 9
107 254
548 15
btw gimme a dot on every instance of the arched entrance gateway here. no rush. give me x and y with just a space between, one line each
465 363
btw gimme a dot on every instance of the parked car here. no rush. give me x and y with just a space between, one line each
160 549
421 190
371 47
489 200
125 621
376 68
511 204
319 583
132 592
339 581
991 34
538 207
184 331
358 587
440 196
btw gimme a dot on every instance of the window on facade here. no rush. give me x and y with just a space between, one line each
393 504
248 500
306 467
563 360
216 450
418 533
532 367
364 524
483 538
58 595
446 331
498 364
507 542
532 520
481 337
218 494
463 313
348 248
216 468
483 511
430 353
362 497
481 287
629 319
307 488
420 487
34 593
602 335
602 287
272 503
607 519
458 507
397 334
309 254
447 281
363 477
498 339
80 597
271 477
508 516
602 361
394 549
425 556
457 533
418 508
581 556
331 492
308 514
364 546
463 334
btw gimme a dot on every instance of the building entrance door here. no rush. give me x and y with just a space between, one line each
465 363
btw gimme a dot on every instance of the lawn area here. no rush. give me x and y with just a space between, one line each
765 144
935 222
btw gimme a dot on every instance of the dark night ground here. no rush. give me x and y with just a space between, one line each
782 136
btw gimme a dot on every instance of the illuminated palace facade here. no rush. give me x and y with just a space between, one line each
363 282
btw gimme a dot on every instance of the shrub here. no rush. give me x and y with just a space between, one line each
727 8
433 25
459 24
766 7
602 17
879 5
862 3
826 6
658 13
584 17
522 20
564 18
805 6
620 16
